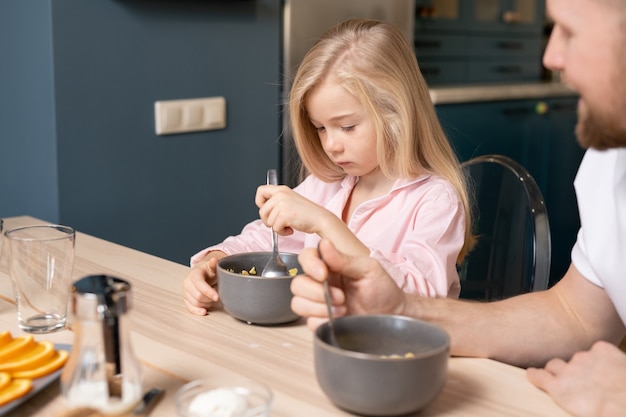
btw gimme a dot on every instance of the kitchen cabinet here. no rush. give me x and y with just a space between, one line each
538 133
479 41
508 15
480 15
441 15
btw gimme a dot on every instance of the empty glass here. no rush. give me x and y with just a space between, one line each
41 259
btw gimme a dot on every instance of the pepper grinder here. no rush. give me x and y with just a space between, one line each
102 370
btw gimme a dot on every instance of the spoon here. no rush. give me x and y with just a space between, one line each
329 308
331 325
275 267
148 401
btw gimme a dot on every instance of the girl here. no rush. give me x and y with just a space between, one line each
382 179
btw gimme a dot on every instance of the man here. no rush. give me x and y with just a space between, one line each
571 329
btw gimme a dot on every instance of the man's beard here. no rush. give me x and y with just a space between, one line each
599 132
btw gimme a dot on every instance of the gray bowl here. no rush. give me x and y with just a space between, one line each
252 298
362 378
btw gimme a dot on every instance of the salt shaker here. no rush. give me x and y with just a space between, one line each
102 371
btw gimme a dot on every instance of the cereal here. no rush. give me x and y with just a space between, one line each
396 356
292 272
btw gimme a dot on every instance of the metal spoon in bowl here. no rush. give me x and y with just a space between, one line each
329 307
275 267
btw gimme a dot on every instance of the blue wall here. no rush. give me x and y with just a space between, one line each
28 155
100 65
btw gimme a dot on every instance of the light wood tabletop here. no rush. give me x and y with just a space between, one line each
176 347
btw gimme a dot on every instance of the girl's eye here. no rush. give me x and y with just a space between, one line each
319 129
348 128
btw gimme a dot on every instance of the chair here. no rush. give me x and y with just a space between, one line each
512 252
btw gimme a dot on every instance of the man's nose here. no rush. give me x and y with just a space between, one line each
553 55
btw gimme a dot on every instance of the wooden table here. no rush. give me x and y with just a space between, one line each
175 347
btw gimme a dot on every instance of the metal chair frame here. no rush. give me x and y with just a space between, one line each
538 216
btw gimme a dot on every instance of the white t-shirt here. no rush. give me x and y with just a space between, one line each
600 250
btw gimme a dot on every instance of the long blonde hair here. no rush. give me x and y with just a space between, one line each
375 63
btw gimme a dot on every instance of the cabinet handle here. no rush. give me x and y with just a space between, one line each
427 44
516 111
508 69
510 45
565 106
430 70
542 108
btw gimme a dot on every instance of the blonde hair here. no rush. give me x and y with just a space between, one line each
375 63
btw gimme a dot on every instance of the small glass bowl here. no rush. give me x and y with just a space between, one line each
224 396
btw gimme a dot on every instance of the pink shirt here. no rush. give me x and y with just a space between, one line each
416 231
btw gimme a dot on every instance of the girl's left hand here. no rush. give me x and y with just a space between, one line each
284 210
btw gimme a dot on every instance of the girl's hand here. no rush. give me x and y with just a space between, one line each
284 210
198 293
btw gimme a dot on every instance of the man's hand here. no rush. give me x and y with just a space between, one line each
591 384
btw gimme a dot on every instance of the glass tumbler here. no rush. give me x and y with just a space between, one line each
41 260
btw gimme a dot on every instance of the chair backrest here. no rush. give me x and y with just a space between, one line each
510 222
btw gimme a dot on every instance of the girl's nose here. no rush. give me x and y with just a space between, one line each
331 143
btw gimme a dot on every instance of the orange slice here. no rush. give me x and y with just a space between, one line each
16 389
29 359
56 362
16 347
5 379
5 337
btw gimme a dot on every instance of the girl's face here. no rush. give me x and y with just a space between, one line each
344 128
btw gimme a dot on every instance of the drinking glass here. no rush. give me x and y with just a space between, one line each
41 259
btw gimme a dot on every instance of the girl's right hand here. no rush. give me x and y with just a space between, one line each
199 294
284 210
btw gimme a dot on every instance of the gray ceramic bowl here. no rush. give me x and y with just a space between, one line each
362 378
252 298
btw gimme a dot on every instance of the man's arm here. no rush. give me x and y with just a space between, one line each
529 329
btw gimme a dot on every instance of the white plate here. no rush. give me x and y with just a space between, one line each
38 385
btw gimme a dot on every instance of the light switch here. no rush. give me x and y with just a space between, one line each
179 116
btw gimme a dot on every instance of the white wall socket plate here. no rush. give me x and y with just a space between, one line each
179 116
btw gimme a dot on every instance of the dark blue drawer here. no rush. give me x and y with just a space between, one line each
504 46
428 45
438 72
527 69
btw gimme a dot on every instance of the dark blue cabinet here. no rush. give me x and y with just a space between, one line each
480 15
540 135
520 16
479 41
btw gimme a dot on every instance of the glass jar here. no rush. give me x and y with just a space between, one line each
102 371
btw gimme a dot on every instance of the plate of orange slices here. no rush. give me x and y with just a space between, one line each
27 366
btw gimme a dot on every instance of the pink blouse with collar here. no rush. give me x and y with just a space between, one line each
416 231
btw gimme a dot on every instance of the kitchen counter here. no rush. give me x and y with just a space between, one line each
498 92
175 347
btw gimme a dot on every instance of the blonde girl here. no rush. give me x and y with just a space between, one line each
381 177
